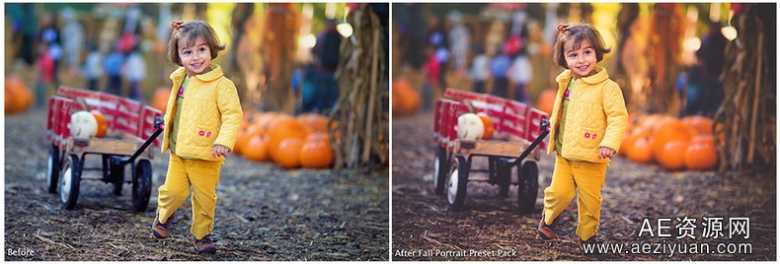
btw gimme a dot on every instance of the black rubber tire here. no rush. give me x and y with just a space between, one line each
440 171
528 189
456 184
503 177
142 185
69 185
53 169
118 176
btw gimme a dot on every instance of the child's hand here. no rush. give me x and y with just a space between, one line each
220 151
606 153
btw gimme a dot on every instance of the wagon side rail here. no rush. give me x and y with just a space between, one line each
512 120
508 117
57 130
123 115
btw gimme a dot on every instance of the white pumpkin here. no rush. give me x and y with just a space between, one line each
83 125
470 127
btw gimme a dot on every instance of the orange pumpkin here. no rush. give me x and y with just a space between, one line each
256 149
160 98
283 127
102 128
317 152
264 120
628 141
487 124
288 153
668 130
673 155
699 124
703 139
314 122
701 156
408 98
640 151
546 101
244 136
18 98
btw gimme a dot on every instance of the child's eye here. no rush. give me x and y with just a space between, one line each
202 49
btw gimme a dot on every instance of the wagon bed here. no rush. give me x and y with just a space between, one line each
519 134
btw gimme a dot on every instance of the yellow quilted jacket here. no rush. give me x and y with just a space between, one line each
597 116
211 114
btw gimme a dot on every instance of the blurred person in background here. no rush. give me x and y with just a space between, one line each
701 85
93 69
520 74
324 91
50 36
499 67
438 40
72 39
46 72
134 71
112 66
459 41
480 69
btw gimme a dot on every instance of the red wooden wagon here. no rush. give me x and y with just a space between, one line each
519 129
132 127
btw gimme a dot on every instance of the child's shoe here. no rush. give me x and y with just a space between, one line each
545 231
160 230
205 245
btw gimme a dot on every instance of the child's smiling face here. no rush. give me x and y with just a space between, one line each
195 58
580 57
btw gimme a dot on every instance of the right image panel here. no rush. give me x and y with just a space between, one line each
587 131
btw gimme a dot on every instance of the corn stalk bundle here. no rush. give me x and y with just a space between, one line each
361 109
747 115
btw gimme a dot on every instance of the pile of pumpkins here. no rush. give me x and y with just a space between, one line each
406 100
474 126
18 98
675 144
84 125
289 141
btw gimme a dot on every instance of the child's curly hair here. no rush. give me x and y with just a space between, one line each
189 32
577 33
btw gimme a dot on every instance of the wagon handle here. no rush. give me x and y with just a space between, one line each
544 125
158 122
158 125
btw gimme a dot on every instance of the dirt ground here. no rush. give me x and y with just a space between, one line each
424 229
263 213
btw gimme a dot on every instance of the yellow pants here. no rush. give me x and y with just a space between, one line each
200 175
583 179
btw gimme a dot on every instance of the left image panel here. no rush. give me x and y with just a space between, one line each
210 131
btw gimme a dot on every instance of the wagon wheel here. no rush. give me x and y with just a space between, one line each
440 169
528 177
117 174
142 184
53 168
503 177
70 181
456 187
